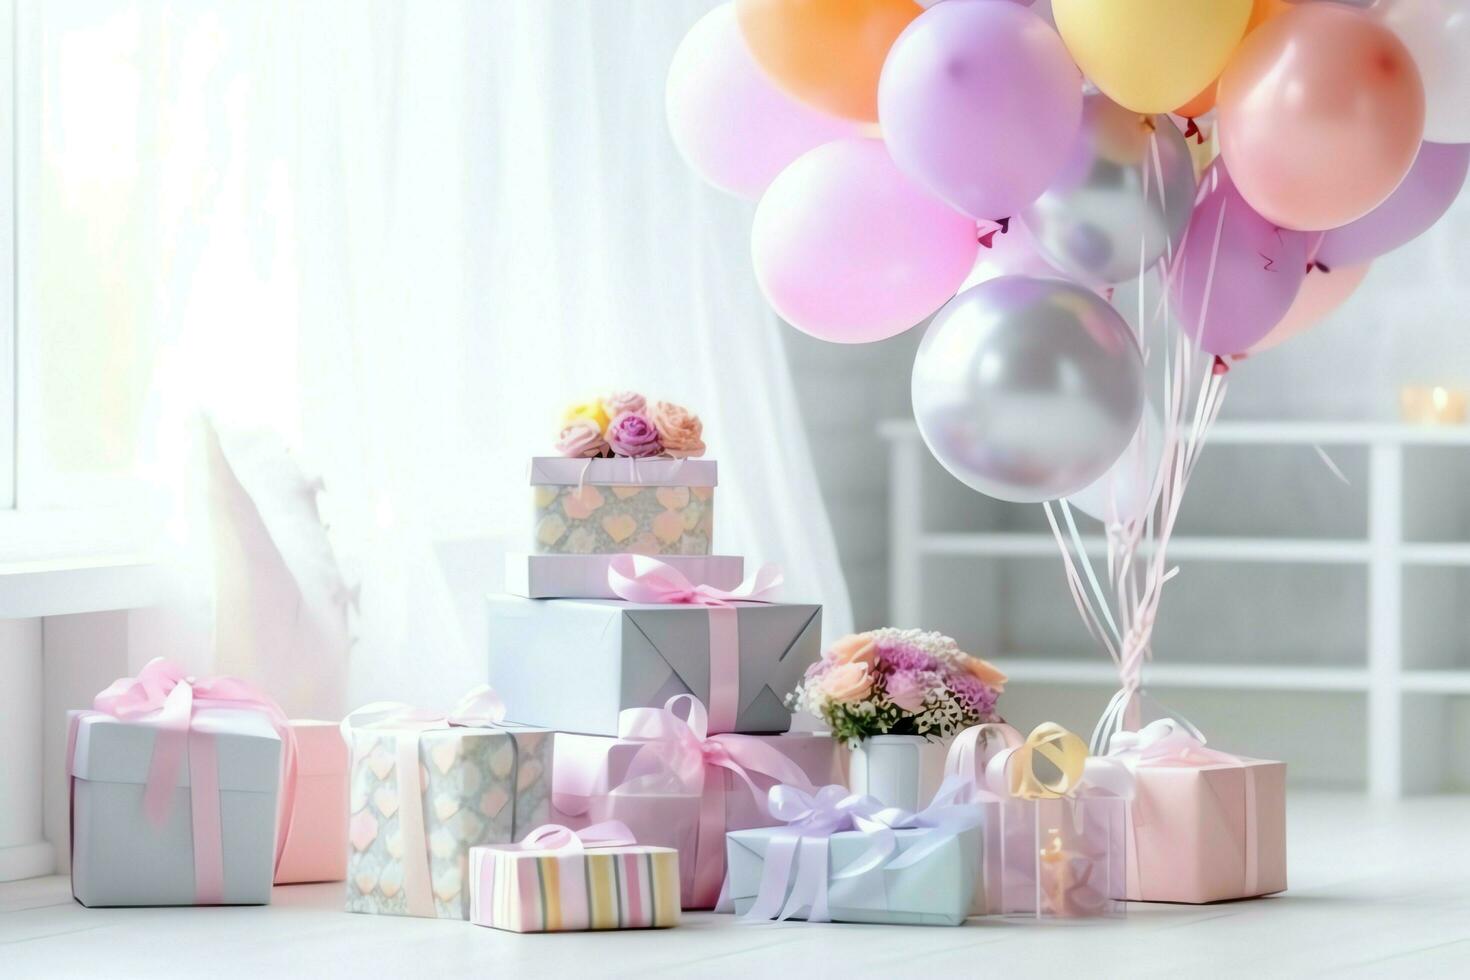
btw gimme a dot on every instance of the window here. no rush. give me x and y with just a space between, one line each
9 372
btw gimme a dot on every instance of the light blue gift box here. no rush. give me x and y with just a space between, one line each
937 890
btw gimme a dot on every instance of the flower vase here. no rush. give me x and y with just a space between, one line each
899 770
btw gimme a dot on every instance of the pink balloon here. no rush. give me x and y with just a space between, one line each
1425 195
1235 274
980 103
730 123
1321 293
850 250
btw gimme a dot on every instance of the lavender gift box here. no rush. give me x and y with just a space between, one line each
620 505
586 576
572 665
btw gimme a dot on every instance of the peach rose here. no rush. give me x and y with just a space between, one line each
983 671
847 682
678 429
855 648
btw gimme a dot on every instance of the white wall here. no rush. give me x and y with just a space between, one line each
1409 323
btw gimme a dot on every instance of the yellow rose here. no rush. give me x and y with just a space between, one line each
592 411
856 648
984 671
848 682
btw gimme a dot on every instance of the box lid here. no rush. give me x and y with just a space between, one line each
623 471
246 746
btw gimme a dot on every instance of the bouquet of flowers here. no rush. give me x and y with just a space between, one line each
624 424
898 682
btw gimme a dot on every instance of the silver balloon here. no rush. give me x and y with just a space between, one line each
1109 196
1028 389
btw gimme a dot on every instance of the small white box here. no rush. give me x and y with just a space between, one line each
585 576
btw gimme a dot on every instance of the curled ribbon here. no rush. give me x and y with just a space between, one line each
481 707
796 872
680 757
996 764
163 696
639 578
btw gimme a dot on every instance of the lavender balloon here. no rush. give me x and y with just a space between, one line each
728 120
1028 389
1427 192
1235 274
980 102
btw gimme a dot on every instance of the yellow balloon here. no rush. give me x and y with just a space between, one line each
1151 55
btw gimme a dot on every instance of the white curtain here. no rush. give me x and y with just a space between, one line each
379 246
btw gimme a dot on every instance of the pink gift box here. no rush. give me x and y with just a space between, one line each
588 767
1207 833
316 842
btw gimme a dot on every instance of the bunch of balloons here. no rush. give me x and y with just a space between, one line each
1010 161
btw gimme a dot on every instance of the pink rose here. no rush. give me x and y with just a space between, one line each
630 434
905 689
623 401
848 682
855 648
680 431
580 439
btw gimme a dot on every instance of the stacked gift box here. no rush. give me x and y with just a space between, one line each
635 758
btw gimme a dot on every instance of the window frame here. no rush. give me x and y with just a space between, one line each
9 255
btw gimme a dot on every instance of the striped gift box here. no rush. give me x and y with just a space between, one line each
629 887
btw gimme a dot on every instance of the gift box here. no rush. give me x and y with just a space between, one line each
424 790
847 859
586 576
558 880
608 506
1204 825
1054 846
739 659
675 786
315 847
162 815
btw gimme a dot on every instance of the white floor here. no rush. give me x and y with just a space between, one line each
1377 890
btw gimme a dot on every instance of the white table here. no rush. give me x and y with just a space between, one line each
1378 889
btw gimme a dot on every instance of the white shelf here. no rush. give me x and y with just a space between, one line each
62 586
1298 550
1241 677
1383 677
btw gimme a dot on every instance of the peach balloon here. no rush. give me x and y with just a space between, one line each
1321 293
827 53
1321 114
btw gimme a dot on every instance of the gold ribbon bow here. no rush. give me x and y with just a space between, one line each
1064 750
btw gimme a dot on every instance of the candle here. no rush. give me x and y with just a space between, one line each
1424 405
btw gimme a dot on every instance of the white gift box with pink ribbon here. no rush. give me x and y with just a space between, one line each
574 665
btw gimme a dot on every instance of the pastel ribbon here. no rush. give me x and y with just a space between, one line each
639 578
166 698
1170 742
796 872
481 707
556 837
680 757
997 763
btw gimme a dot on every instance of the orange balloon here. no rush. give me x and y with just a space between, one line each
1262 11
827 53
1321 114
1321 293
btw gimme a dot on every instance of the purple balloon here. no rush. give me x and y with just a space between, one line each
730 122
980 103
1424 196
1235 274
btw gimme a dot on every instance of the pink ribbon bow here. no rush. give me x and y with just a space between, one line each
1166 742
680 757
796 870
164 697
481 707
639 578
555 837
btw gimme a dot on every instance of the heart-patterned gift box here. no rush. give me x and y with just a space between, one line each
614 506
479 786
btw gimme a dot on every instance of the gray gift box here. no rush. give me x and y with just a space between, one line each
572 664
120 857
